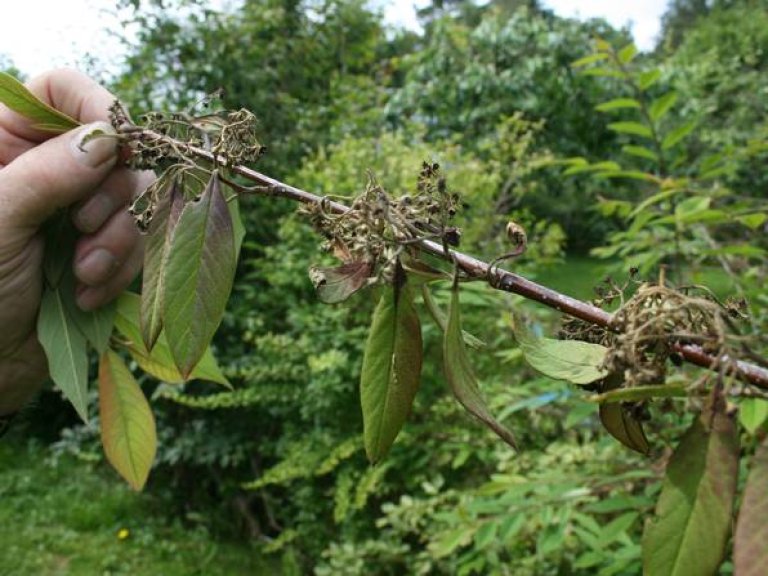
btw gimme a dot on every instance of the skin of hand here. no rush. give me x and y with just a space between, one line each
39 174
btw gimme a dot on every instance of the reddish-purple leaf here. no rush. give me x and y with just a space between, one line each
750 543
335 285
198 276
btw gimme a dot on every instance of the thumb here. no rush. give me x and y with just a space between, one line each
55 174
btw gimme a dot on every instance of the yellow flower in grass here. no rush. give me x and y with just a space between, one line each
123 533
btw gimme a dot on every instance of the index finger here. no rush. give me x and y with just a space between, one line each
67 90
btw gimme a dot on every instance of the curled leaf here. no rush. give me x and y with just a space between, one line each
391 369
460 375
624 426
335 285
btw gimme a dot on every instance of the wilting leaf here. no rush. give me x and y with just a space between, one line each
391 369
750 553
16 96
335 285
127 424
442 321
623 426
65 348
571 360
693 513
753 413
159 363
156 251
199 274
460 376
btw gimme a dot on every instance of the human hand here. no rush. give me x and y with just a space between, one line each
40 174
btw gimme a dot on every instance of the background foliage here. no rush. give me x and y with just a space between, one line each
490 93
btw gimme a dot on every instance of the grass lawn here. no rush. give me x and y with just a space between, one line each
76 518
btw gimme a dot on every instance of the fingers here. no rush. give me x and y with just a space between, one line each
108 260
57 173
67 90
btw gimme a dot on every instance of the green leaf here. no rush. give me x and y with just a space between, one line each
693 513
640 152
199 275
391 369
156 253
617 104
590 59
753 221
640 393
750 553
159 362
627 53
237 223
442 321
662 105
334 285
571 360
677 135
16 96
648 78
60 238
753 413
634 128
96 325
127 425
620 424
66 350
460 375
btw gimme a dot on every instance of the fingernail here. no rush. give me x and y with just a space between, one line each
91 147
88 298
96 266
89 217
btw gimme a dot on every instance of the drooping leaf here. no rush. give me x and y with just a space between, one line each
634 128
159 362
460 375
66 350
199 275
391 369
750 553
336 284
617 104
623 426
693 513
678 134
442 321
662 105
156 251
571 360
19 99
752 413
127 425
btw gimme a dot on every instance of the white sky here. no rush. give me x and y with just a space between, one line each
41 34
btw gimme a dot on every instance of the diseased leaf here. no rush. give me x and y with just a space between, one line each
662 105
571 360
19 99
460 375
127 425
66 350
634 128
753 413
199 275
750 553
391 369
623 426
156 251
335 285
159 363
693 513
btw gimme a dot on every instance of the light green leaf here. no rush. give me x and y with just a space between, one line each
199 275
627 53
754 220
66 350
96 325
590 59
634 128
16 96
460 375
640 152
750 553
617 104
391 370
156 252
159 363
677 135
753 413
662 105
693 513
571 360
648 78
127 425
